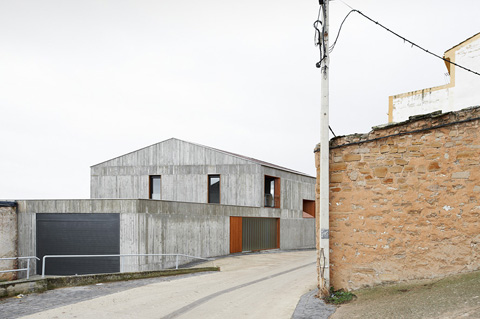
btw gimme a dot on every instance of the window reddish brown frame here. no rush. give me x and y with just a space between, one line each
308 208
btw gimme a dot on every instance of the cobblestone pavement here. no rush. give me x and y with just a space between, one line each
311 307
37 302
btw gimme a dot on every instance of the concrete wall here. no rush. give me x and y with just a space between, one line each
405 201
8 240
462 91
184 168
156 227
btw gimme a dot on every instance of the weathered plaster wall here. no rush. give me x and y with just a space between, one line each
8 241
406 206
462 91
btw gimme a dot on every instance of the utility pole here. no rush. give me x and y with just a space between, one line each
323 250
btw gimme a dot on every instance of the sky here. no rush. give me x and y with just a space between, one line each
85 81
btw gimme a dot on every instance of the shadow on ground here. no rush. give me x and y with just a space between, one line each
452 297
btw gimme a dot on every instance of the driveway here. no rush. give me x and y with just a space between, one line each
263 285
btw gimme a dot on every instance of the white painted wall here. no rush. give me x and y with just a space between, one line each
463 93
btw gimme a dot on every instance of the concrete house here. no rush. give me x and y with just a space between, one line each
180 171
461 92
168 198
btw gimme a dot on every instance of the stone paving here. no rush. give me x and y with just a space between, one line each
310 307
37 302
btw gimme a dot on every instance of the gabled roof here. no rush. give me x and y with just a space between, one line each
250 159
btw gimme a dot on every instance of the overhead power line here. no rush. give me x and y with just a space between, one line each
399 36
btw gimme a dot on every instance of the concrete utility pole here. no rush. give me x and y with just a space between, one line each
323 249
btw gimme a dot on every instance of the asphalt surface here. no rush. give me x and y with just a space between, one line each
265 285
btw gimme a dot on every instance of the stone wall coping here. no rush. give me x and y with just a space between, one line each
414 124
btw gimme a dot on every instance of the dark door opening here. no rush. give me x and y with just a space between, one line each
78 234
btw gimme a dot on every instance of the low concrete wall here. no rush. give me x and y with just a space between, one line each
13 288
405 201
8 239
163 227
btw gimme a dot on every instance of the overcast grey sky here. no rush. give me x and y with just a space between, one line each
85 81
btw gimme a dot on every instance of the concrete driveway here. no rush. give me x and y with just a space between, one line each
263 285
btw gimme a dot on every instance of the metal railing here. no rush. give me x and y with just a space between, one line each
20 269
116 255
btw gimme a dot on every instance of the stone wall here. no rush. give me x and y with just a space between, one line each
404 201
8 239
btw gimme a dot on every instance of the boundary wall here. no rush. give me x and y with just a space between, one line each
164 227
405 200
8 239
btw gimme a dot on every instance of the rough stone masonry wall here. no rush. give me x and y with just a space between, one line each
406 206
8 241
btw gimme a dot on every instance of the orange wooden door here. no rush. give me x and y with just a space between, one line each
235 234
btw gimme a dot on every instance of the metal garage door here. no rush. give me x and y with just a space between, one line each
260 233
78 234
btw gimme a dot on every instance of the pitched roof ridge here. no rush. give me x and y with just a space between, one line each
251 159
247 158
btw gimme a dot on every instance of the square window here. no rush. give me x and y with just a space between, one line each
308 208
214 189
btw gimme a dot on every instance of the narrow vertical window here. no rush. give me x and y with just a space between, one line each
272 191
155 184
214 189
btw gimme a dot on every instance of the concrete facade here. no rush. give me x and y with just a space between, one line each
8 239
405 201
180 220
461 92
184 168
156 227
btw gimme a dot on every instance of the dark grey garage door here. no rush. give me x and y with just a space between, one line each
78 234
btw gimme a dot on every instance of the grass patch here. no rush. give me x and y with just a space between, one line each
338 297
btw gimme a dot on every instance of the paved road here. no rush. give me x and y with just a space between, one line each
265 285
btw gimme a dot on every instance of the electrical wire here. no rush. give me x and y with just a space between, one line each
331 131
319 38
338 34
399 36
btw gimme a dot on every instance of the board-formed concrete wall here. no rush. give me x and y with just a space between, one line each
165 227
405 201
8 240
184 168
